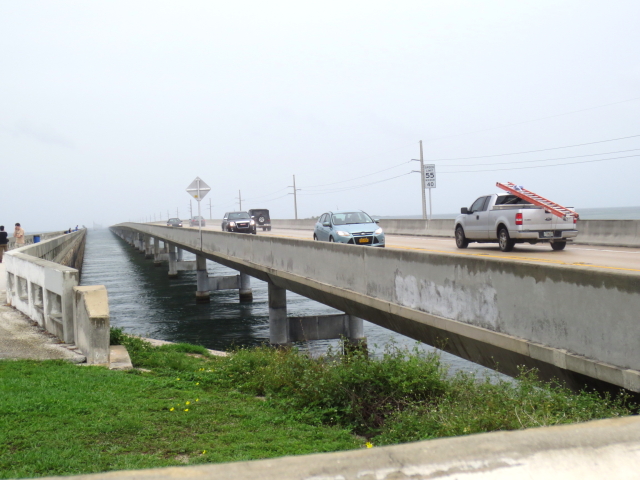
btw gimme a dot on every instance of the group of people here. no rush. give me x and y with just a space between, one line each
18 234
70 230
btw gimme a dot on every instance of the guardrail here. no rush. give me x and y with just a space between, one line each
613 233
42 283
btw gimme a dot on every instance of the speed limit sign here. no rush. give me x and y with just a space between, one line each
429 176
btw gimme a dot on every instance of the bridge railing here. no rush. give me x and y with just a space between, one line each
42 283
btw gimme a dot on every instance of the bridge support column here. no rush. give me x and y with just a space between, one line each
140 242
148 253
180 251
173 267
156 252
278 321
202 291
246 294
356 341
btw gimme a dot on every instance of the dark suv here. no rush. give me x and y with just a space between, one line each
261 216
193 222
239 222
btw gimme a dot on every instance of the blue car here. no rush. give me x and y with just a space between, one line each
352 227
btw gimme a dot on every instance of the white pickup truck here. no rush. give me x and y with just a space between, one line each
507 220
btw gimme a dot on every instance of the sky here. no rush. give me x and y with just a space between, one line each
110 109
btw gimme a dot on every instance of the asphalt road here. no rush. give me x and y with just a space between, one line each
587 256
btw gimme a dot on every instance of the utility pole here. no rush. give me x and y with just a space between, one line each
422 182
424 200
240 199
295 197
177 213
210 214
190 210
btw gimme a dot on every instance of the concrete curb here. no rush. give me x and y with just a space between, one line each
593 450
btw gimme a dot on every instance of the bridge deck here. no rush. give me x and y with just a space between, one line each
571 321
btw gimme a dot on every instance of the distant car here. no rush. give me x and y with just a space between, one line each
262 218
239 222
193 222
352 227
174 222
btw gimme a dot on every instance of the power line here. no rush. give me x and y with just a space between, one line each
344 189
543 160
532 151
357 178
533 120
542 166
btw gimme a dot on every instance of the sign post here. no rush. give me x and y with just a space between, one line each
430 182
198 190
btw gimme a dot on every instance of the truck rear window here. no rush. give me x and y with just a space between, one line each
510 200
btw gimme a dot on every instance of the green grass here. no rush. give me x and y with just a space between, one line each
62 419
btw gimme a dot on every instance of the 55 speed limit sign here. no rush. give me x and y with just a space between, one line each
429 176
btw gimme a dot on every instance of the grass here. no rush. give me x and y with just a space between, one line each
191 408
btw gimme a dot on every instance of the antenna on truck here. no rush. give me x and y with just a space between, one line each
555 208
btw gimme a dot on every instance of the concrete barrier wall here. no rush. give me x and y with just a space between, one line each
28 239
566 318
615 233
619 233
91 322
40 283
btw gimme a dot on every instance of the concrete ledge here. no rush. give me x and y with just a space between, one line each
593 450
119 358
91 313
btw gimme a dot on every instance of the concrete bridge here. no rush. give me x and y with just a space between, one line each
576 324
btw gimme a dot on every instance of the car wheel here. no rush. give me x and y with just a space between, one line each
331 240
504 240
254 232
269 229
315 238
461 240
558 245
264 229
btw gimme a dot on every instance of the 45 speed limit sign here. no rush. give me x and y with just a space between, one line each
429 176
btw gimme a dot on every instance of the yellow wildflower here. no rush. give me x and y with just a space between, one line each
187 402
369 445
186 409
197 399
171 409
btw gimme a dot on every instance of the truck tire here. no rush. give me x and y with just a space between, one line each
558 245
268 229
461 240
504 240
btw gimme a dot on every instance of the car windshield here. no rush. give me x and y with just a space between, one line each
350 218
238 215
198 218
174 219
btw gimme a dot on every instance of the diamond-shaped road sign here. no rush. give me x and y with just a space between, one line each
198 189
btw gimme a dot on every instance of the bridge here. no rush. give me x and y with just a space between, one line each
571 322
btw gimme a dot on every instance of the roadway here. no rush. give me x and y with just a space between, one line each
588 256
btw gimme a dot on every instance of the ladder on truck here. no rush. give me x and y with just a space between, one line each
553 207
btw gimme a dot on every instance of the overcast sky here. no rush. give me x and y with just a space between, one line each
109 109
